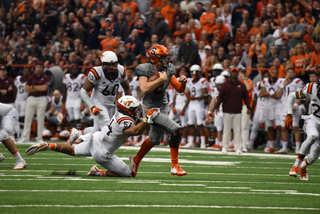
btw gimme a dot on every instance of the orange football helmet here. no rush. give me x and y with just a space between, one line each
159 55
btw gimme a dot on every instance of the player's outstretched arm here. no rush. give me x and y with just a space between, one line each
88 86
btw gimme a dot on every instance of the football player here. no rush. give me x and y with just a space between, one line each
73 82
101 145
197 91
217 115
8 120
105 80
294 84
154 96
272 89
312 128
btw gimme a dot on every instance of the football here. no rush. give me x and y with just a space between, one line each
153 77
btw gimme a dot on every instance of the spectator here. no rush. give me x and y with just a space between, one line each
245 60
127 59
103 31
188 53
266 36
219 30
245 19
93 28
308 37
235 64
134 44
144 32
274 54
199 10
186 4
260 67
50 13
109 43
182 31
174 50
194 30
237 13
238 51
276 35
243 35
299 59
201 50
130 7
178 17
295 31
168 13
21 53
227 17
260 4
306 48
308 19
160 28
315 58
38 35
154 40
277 65
37 85
7 89
256 26
221 55
284 49
120 25
34 45
207 18
231 98
255 49
14 41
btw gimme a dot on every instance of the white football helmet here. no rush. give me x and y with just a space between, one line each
128 105
225 73
217 66
195 68
220 79
109 61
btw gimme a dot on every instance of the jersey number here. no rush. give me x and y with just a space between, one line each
158 90
193 91
110 127
21 89
315 113
113 92
76 86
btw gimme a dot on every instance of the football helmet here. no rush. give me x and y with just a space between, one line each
217 69
225 73
220 79
195 71
109 61
128 105
159 55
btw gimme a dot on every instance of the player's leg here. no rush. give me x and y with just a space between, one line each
70 111
270 139
244 128
200 118
41 110
254 130
191 123
297 134
312 157
7 126
101 119
30 111
236 120
227 118
183 119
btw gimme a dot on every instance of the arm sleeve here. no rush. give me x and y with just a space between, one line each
291 99
85 97
180 87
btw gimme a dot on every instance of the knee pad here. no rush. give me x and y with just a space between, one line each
4 134
175 138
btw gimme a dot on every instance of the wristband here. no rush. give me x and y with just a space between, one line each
209 112
145 120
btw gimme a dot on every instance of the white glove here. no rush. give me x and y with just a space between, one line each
151 114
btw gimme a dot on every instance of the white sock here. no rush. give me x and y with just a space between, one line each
220 143
298 145
270 144
17 155
304 164
297 162
183 140
203 140
135 138
190 139
216 141
251 142
197 139
143 137
284 144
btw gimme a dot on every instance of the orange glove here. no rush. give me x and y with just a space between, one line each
174 111
288 121
210 116
190 97
182 112
151 114
95 111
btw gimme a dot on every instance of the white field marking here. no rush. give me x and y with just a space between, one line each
182 150
273 190
1 175
139 182
159 206
166 192
165 184
228 187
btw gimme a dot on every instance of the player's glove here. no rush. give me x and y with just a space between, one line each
288 121
174 111
151 114
182 112
95 111
210 116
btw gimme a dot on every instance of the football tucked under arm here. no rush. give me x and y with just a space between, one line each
153 77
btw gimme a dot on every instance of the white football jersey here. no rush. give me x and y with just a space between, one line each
272 86
295 85
104 90
134 84
22 95
111 136
311 91
195 89
73 87
212 83
181 98
58 106
4 109
215 93
261 101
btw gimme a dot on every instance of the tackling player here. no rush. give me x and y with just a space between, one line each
154 96
101 145
105 80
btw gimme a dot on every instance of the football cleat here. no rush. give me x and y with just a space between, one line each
93 171
268 150
303 174
203 145
128 143
294 171
224 151
188 145
244 149
238 152
215 147
134 166
182 144
231 148
265 149
37 148
178 171
74 134
1 157
282 151
196 143
20 164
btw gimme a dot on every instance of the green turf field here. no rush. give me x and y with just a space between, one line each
248 183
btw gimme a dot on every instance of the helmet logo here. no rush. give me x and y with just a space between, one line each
153 51
129 102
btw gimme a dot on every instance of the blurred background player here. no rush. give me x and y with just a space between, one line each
272 89
123 124
105 80
8 121
294 84
21 97
216 115
197 91
154 96
73 82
